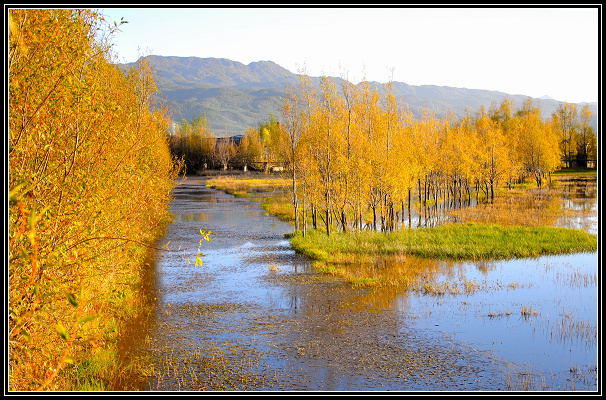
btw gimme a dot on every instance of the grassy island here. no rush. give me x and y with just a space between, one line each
406 255
458 241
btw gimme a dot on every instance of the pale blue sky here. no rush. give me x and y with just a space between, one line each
527 51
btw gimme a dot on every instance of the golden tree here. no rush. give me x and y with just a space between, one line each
295 112
492 155
586 138
565 123
250 149
538 147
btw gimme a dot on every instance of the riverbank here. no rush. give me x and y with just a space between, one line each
242 185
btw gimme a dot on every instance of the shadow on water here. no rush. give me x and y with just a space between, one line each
255 315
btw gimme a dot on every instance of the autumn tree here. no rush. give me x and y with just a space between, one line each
225 151
370 111
194 142
491 153
271 135
538 147
295 112
361 154
250 149
586 139
323 137
502 116
565 124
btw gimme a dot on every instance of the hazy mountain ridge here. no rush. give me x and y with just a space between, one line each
234 95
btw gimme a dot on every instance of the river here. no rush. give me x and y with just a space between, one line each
254 316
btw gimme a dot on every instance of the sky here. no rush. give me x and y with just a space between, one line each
529 51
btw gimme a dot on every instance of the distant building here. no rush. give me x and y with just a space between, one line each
233 139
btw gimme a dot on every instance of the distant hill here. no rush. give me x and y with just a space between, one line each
234 96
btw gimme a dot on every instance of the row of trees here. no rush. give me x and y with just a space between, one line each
90 175
355 149
200 149
577 139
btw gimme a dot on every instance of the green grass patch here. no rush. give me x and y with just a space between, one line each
576 171
279 206
469 241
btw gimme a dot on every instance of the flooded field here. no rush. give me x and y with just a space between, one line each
255 316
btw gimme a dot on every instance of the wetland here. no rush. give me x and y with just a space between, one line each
257 316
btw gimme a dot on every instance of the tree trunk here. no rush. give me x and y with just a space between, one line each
295 201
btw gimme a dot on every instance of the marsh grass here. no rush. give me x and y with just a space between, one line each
278 205
527 380
524 381
528 311
466 287
245 185
575 278
568 327
497 314
269 190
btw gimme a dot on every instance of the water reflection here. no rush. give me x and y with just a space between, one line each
256 316
569 201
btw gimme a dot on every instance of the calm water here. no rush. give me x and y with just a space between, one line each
254 315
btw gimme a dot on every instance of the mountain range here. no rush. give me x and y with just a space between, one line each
234 96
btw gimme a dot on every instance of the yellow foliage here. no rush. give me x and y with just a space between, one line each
90 175
358 151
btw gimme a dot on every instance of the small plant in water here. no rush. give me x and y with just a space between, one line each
470 286
527 311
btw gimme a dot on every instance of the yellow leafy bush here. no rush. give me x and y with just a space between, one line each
90 175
